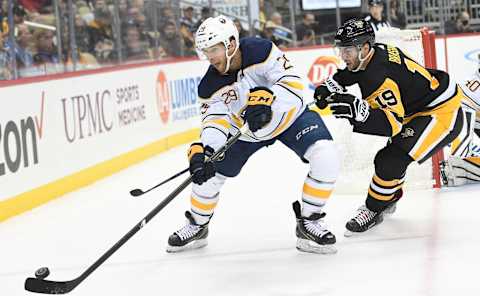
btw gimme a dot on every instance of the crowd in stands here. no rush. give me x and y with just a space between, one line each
107 32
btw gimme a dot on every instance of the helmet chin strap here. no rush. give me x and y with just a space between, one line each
362 60
229 58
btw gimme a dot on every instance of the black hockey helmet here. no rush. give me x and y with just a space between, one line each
375 2
354 32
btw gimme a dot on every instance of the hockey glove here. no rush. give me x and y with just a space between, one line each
350 107
259 111
200 169
322 94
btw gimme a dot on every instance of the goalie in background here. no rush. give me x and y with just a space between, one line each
457 171
250 81
418 109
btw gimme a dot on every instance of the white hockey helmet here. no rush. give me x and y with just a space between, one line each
214 30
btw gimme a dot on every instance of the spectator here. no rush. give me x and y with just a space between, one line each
187 28
137 18
264 10
5 72
460 25
23 46
170 41
83 35
166 16
277 19
242 33
397 18
102 35
34 5
135 48
123 9
204 14
45 48
305 30
268 33
19 14
376 17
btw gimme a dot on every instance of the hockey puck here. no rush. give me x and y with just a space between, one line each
42 273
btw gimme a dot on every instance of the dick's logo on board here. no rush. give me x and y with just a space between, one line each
177 99
322 68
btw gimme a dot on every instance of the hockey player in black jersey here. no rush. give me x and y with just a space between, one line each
418 109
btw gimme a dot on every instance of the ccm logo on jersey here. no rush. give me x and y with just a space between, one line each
306 131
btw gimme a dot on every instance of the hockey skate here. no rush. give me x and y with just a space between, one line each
189 237
365 219
312 234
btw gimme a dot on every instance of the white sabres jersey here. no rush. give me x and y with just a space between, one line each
471 89
224 97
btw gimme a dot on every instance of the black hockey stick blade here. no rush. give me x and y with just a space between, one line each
49 287
136 192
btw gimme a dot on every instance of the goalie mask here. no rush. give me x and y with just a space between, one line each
213 31
350 38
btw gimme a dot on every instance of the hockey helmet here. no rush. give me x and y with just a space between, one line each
375 2
214 30
354 32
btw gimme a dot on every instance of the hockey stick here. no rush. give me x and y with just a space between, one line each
40 285
138 192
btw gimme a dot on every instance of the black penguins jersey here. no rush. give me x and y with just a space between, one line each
396 87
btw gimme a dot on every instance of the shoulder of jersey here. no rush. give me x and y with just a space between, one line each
254 51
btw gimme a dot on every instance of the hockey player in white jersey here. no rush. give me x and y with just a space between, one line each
457 171
252 81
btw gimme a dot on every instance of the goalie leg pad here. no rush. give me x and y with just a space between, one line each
458 172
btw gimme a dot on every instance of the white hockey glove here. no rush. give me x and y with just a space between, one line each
350 107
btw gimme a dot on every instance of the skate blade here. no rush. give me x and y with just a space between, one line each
349 233
390 210
197 244
308 246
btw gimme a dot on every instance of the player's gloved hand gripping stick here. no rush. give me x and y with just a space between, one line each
40 285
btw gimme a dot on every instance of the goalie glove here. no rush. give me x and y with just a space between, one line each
350 107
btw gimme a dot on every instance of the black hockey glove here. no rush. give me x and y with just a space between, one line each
259 111
350 107
321 96
200 170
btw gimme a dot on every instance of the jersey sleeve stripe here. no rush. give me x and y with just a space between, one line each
220 130
284 76
293 84
289 90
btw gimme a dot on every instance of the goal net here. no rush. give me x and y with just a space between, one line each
358 151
